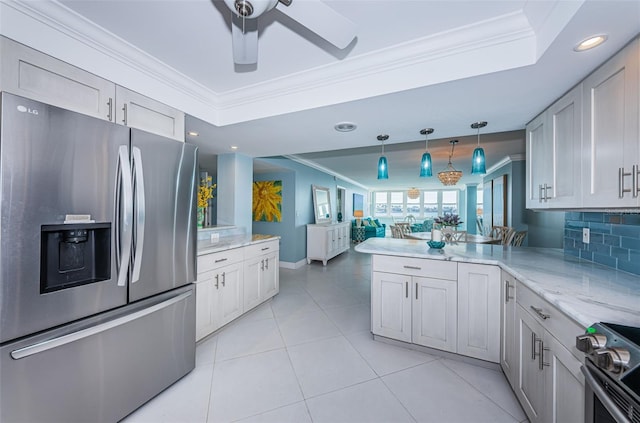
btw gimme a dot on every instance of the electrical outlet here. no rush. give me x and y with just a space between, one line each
585 235
214 237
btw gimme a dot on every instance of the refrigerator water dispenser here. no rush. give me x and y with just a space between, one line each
74 254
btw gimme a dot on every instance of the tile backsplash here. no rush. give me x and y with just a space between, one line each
614 239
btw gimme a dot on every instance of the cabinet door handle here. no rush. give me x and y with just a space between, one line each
533 345
220 260
265 248
507 297
217 280
540 193
406 289
110 104
124 116
266 263
621 188
543 316
224 278
541 363
546 195
261 264
413 267
635 171
416 290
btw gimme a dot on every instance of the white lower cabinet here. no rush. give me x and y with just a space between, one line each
434 313
391 306
508 341
549 384
260 273
218 298
233 282
479 311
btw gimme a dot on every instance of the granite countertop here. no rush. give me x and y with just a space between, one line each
584 291
228 242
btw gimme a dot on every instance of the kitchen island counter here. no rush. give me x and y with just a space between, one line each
584 291
229 242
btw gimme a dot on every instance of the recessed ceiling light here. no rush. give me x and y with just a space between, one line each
345 126
590 42
193 133
234 147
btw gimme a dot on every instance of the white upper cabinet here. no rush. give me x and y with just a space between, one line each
611 147
584 150
29 73
553 159
137 111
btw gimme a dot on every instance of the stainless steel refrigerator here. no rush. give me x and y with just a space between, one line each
97 260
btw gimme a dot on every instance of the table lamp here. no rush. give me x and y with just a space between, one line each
358 214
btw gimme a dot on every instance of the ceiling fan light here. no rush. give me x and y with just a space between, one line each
478 166
413 193
425 166
383 169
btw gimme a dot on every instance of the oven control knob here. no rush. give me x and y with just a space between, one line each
590 342
612 359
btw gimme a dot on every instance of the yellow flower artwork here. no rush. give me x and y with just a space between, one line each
267 201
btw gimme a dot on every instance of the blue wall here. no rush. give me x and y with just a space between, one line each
297 204
614 239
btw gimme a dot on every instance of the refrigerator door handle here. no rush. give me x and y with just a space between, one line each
140 213
85 333
124 227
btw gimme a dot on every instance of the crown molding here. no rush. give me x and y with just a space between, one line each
505 161
417 63
323 169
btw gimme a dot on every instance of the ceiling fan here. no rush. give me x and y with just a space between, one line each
313 14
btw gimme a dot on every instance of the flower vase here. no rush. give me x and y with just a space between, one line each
200 217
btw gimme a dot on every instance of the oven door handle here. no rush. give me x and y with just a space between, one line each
602 396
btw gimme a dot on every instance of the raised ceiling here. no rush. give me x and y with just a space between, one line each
414 64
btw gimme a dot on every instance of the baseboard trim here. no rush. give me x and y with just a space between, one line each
293 266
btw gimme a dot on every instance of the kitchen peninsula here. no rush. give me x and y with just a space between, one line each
584 291
520 307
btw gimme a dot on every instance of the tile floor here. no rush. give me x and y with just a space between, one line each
308 356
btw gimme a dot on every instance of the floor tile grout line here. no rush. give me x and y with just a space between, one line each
398 399
478 390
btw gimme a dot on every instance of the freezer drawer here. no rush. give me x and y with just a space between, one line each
103 368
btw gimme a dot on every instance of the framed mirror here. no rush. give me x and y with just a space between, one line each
321 204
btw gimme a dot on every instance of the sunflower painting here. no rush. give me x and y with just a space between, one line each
267 201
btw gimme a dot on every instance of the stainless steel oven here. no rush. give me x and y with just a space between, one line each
612 373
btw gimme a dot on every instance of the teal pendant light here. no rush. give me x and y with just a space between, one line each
383 168
478 162
425 163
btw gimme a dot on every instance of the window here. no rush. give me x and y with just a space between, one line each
450 202
381 202
397 204
430 204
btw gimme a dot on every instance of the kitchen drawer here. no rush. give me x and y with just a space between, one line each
216 260
557 323
415 267
261 248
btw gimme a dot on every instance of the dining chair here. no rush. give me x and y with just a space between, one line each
449 235
396 232
405 227
503 233
518 237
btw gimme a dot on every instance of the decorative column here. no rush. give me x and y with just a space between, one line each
234 191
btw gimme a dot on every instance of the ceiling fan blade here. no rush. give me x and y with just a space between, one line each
244 39
323 20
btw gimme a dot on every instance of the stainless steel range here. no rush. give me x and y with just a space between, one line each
612 373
